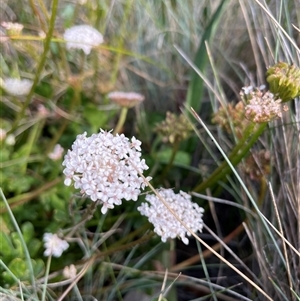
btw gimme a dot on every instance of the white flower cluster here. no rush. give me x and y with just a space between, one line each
17 87
106 168
165 223
54 245
83 37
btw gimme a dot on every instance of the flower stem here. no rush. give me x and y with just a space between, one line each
237 154
76 100
171 161
121 121
46 277
33 136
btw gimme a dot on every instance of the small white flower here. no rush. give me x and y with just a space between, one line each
17 87
105 167
247 90
57 152
165 224
54 245
83 37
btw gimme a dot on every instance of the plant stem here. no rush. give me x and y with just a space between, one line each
40 66
170 163
46 277
33 136
235 157
75 103
121 121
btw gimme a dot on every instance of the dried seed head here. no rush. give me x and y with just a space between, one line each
232 115
258 165
174 129
126 99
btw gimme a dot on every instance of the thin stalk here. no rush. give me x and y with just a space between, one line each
171 161
34 134
236 155
122 120
40 66
255 206
288 270
46 277
75 103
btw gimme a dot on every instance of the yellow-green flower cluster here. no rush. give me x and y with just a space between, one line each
284 81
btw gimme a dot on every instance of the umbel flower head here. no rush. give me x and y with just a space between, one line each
261 106
232 116
284 80
17 87
165 223
126 99
83 37
54 245
174 129
12 29
106 168
258 165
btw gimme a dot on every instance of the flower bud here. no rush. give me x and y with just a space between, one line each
284 80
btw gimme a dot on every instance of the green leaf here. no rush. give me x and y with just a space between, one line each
19 268
181 157
7 249
96 118
28 231
195 89
38 267
17 243
34 246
